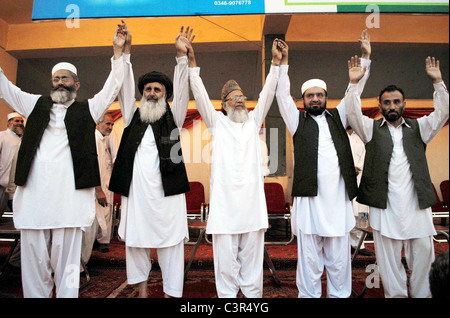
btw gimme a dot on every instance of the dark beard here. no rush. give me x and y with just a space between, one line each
392 115
315 111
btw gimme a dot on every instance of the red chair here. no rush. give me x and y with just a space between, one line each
195 201
278 208
439 206
440 210
445 192
196 212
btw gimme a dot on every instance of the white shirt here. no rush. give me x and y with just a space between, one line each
402 219
330 213
149 219
49 198
359 154
9 142
107 152
237 200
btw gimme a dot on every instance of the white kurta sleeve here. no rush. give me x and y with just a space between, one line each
180 91
288 109
361 124
430 125
127 93
100 103
202 101
360 88
266 96
21 102
113 145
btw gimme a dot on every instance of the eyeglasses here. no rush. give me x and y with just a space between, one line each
235 98
64 79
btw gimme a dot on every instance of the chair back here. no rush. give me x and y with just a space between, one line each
275 200
195 197
438 207
444 191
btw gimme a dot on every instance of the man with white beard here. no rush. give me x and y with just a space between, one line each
150 176
238 212
56 172
9 143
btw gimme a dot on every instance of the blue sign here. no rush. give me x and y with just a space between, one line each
61 9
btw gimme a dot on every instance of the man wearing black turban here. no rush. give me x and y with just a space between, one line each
150 175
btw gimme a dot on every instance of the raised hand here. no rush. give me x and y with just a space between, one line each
127 33
433 70
364 41
284 51
119 39
355 72
277 54
183 41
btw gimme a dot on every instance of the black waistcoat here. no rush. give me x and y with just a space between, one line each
306 147
373 190
173 171
81 135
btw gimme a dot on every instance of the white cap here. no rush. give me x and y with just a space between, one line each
14 115
313 83
64 66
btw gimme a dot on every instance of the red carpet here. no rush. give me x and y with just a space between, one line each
108 279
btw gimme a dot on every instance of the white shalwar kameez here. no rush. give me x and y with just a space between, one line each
321 223
237 209
148 218
48 210
9 144
359 153
101 228
402 223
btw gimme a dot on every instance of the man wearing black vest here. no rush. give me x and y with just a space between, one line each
150 174
396 182
57 171
324 184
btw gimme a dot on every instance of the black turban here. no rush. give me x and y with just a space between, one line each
156 77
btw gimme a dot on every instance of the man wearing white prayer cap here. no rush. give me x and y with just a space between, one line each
56 172
9 143
324 184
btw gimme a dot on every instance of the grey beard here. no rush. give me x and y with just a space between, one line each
238 116
61 97
151 111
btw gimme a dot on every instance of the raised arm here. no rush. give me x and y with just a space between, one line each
21 102
361 124
100 103
366 51
183 44
268 92
202 101
430 125
127 94
288 109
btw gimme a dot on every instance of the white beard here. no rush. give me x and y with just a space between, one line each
151 111
238 116
61 97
